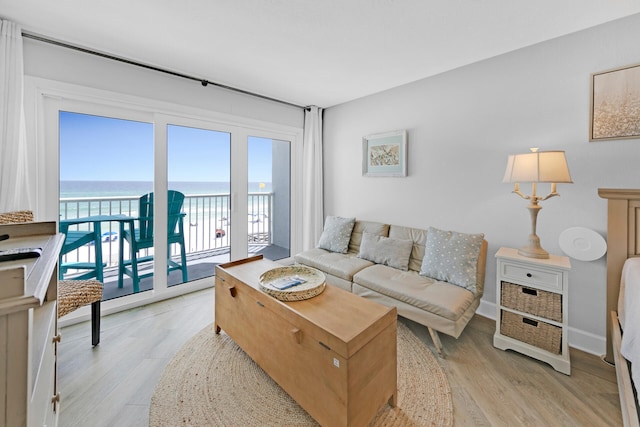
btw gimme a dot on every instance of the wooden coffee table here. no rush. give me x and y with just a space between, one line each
335 354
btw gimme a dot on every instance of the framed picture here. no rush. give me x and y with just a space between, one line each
385 154
615 104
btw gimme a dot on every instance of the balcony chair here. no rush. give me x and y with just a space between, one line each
72 294
141 237
75 239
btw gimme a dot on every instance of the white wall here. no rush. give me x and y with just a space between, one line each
65 65
463 124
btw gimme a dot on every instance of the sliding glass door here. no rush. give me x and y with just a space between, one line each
203 191
107 171
199 166
269 197
107 178
106 165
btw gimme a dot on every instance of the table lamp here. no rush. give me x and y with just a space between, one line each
534 167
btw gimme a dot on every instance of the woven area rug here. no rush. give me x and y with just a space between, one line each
212 382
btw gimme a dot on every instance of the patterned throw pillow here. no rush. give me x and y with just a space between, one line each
336 234
452 257
385 250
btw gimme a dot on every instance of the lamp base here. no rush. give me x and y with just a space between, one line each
533 249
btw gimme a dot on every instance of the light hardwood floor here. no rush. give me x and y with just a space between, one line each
112 384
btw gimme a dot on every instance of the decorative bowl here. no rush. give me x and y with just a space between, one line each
314 282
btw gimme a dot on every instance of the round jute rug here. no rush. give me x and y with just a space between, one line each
212 382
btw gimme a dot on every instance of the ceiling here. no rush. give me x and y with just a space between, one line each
310 52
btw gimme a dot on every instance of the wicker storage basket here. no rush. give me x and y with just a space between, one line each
533 301
539 334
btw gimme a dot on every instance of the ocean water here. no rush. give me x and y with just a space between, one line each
78 189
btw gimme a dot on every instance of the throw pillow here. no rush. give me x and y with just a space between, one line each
452 257
386 250
336 234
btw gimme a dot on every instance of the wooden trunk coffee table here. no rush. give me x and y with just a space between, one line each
335 353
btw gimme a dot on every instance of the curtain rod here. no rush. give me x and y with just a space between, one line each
203 82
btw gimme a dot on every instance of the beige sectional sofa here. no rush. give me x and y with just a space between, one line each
386 263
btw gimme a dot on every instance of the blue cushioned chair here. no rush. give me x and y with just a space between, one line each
138 233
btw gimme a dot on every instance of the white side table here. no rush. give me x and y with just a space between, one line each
532 307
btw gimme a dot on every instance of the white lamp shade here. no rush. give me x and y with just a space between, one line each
541 166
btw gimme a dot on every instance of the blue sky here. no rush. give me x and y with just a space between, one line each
94 148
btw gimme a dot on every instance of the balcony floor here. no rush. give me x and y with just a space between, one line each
197 268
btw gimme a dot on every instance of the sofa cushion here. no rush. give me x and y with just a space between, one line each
385 250
336 234
343 266
419 238
361 227
452 257
426 293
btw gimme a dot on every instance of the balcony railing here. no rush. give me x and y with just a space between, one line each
206 224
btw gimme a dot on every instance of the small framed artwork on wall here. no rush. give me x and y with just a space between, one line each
615 104
385 154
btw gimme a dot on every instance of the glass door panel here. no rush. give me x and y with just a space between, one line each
106 165
269 196
199 166
109 155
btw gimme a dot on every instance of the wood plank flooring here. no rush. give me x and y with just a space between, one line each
112 384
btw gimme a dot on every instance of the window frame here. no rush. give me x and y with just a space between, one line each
45 98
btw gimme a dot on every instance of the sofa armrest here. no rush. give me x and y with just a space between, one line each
481 269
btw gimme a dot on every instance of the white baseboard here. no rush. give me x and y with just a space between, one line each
587 342
579 339
487 309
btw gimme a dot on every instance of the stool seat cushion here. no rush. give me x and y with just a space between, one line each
73 294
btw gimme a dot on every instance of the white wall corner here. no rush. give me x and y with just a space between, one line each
587 342
487 309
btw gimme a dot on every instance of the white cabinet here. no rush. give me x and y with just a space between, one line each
532 303
29 327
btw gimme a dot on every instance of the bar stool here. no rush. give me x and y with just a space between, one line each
72 294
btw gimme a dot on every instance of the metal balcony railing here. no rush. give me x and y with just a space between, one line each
206 224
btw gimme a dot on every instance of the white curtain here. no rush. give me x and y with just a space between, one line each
313 210
14 177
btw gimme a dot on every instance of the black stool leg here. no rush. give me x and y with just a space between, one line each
95 323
